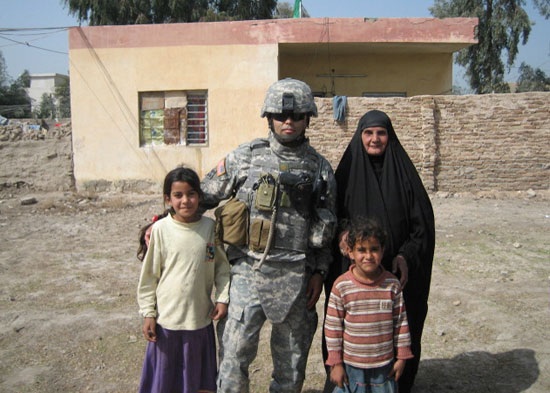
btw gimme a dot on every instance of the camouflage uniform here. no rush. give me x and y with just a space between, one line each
274 289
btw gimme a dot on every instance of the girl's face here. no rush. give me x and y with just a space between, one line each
367 255
184 200
375 140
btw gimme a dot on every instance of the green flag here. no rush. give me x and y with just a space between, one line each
297 9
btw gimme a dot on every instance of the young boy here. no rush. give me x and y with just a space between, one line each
366 326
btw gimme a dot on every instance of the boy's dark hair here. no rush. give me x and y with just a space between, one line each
183 174
142 249
343 225
362 228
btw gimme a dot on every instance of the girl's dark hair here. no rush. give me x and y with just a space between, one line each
362 228
142 249
182 174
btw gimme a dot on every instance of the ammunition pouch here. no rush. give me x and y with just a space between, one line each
232 223
259 234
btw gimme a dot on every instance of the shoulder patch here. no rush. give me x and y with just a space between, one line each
220 168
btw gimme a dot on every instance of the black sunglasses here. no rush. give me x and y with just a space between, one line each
285 115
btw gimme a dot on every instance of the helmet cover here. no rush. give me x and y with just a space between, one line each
289 95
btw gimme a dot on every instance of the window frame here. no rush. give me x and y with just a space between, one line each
173 118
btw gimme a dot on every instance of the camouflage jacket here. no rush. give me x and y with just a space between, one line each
305 219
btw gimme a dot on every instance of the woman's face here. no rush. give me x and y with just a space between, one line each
375 140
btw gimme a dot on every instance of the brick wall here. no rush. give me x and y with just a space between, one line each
458 143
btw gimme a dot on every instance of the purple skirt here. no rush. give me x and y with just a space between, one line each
181 361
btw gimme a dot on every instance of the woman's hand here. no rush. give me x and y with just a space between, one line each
399 264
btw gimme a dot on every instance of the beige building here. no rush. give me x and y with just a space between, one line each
145 98
41 84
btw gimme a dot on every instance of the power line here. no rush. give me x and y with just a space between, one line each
34 46
4 32
18 29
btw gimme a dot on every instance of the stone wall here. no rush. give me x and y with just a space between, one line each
496 142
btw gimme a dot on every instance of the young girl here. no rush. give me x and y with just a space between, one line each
174 293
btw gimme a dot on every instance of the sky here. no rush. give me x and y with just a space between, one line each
41 46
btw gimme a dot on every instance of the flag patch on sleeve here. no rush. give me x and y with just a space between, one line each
220 168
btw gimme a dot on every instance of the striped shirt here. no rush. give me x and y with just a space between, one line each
366 323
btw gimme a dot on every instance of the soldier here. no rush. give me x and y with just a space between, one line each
278 227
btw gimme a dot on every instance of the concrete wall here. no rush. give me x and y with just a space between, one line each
458 143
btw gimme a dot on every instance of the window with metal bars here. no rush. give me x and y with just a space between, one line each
173 118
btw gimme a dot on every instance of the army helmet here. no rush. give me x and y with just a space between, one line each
289 95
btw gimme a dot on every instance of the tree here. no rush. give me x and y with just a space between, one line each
532 79
246 9
4 78
17 99
25 78
284 10
3 83
131 12
544 7
458 90
47 107
63 97
502 25
14 100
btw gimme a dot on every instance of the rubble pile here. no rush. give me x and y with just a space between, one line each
33 130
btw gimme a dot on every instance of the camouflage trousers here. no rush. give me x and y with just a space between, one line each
290 339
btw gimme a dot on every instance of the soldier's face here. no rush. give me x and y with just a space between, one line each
289 126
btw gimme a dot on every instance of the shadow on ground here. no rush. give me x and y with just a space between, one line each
509 372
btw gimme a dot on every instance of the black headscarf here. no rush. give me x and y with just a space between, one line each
395 196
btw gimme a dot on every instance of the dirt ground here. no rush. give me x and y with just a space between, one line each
68 276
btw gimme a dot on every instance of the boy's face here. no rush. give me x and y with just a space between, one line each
367 255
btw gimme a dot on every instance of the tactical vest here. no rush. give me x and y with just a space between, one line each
283 186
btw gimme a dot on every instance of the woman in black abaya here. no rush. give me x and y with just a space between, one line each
377 179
